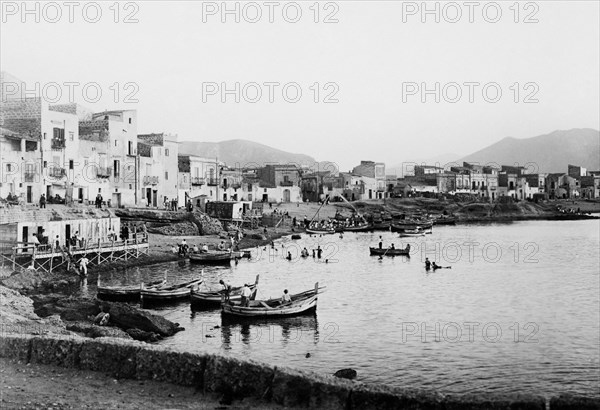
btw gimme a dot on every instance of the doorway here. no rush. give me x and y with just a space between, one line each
286 195
29 194
25 234
67 233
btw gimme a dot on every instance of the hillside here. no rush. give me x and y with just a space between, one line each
240 153
551 152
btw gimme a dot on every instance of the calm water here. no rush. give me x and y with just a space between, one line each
517 312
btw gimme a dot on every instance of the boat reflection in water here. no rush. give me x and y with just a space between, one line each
282 331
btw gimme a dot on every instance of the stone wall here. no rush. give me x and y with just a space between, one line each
238 379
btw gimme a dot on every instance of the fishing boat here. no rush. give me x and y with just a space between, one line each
448 220
401 226
320 231
357 228
389 252
381 225
412 233
166 293
126 292
214 257
302 303
215 297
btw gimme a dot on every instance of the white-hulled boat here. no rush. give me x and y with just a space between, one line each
166 293
127 292
215 297
301 303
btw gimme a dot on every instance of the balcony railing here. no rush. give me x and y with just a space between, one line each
29 177
150 180
212 181
57 172
235 186
286 183
104 172
198 181
58 143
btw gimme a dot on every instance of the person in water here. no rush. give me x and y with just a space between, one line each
427 264
319 252
289 256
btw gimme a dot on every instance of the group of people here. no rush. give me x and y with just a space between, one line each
432 265
169 205
246 294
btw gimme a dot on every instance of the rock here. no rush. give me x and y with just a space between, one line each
346 374
106 331
143 336
259 236
296 236
128 317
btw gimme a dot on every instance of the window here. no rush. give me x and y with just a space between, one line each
116 142
71 136
71 164
166 175
9 167
58 138
130 120
44 135
130 148
166 152
45 164
116 166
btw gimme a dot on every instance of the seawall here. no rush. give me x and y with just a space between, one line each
247 378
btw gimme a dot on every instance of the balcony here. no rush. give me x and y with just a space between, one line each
212 181
57 172
198 181
150 180
29 177
103 172
286 183
58 143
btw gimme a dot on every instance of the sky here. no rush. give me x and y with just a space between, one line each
341 81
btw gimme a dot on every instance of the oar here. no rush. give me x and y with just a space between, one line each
384 253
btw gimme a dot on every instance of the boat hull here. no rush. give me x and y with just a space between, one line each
214 258
320 232
175 292
216 298
401 227
293 309
389 252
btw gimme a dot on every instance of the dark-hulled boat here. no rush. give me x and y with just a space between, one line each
215 297
389 252
214 257
167 293
450 220
411 225
381 225
126 292
302 303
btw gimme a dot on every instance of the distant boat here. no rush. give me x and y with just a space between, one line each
358 228
302 303
449 220
215 297
126 292
320 231
381 225
215 257
166 293
400 226
389 252
411 233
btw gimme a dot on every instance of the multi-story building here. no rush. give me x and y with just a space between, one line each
561 186
198 177
375 170
575 171
115 135
158 168
279 175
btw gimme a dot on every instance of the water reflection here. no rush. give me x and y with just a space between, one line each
281 331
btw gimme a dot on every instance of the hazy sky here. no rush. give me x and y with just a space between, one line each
375 60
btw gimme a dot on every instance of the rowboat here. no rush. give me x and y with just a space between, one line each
214 257
320 231
381 226
389 252
165 293
412 225
126 292
301 303
412 233
445 221
359 228
215 297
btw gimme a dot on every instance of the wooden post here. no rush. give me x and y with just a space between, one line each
51 256
125 247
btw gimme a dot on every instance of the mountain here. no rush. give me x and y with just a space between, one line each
241 153
545 153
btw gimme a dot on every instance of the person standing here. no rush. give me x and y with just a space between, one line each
83 262
43 201
226 289
427 264
380 242
246 293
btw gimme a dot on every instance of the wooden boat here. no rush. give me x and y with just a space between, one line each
126 292
320 231
215 297
389 252
412 233
381 225
445 221
165 293
211 257
359 228
401 226
301 303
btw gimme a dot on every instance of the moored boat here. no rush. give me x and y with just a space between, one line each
357 228
215 297
213 257
389 252
411 233
450 220
302 303
166 293
126 292
401 226
320 231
